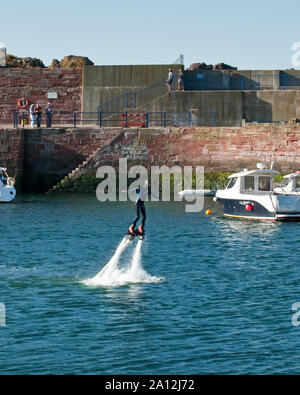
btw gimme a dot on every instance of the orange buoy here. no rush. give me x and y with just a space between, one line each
208 212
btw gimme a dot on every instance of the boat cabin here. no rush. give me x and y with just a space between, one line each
253 181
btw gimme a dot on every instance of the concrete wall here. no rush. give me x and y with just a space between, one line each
103 83
227 106
241 80
230 107
262 99
271 106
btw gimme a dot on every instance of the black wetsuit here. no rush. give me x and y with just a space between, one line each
140 209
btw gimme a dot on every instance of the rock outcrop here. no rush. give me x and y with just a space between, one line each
224 66
26 63
204 66
69 62
200 66
72 62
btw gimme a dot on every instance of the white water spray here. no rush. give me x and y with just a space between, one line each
113 276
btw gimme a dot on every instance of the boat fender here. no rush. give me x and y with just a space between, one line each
11 181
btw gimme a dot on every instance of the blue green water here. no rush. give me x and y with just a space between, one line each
223 307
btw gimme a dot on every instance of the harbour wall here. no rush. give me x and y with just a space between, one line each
218 149
104 83
255 96
12 152
232 107
40 158
34 85
233 96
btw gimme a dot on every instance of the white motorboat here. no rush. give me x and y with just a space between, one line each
251 195
290 185
7 187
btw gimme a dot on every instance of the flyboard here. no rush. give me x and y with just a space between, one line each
130 235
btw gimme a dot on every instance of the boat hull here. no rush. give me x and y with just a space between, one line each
7 194
237 208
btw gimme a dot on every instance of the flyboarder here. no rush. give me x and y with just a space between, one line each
142 193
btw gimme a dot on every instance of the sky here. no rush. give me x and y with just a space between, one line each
246 34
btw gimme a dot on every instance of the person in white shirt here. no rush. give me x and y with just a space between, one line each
170 79
32 115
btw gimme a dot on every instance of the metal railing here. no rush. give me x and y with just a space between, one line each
22 119
118 119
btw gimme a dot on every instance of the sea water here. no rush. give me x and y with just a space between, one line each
115 274
198 295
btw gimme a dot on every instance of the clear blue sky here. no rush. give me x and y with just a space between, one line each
247 34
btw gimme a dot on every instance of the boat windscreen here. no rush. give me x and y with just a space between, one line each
285 182
232 183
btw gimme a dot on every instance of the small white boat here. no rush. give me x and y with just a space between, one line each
290 185
196 192
251 195
7 187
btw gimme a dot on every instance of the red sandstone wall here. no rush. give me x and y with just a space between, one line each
12 151
34 84
59 151
218 149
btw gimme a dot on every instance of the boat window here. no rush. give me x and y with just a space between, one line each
249 183
298 182
232 183
264 183
285 182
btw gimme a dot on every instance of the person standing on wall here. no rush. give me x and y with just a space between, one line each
49 110
32 115
170 79
181 81
38 112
